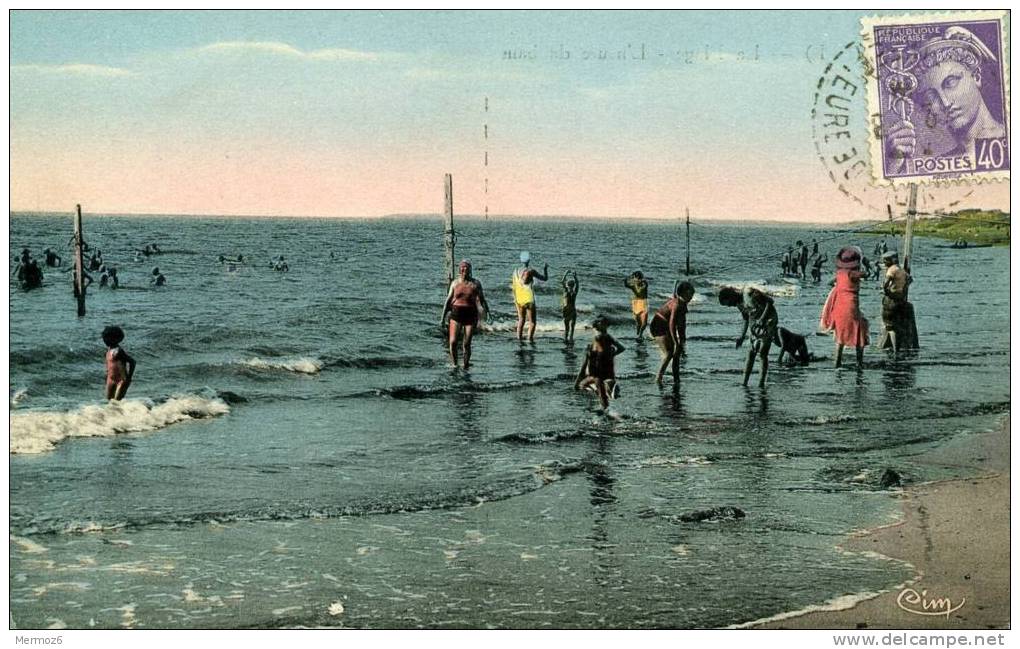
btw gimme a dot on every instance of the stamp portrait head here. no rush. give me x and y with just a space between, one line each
957 75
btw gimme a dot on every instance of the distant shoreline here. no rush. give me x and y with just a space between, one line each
467 217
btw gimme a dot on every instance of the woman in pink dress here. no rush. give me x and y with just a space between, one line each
842 313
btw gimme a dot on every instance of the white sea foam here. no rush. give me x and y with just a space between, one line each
17 396
300 365
775 290
28 546
40 431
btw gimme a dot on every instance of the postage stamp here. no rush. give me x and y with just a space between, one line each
938 96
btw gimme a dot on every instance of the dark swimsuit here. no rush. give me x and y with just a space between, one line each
465 315
659 326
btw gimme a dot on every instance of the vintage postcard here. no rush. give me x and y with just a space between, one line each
509 320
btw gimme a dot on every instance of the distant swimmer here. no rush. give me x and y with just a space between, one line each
802 260
120 367
32 276
638 285
21 267
816 267
109 278
465 303
669 329
237 259
279 264
158 278
814 247
96 261
568 302
523 284
52 258
598 368
788 262
761 319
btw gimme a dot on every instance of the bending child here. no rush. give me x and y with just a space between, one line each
598 369
760 317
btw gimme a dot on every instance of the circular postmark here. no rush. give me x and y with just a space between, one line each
840 125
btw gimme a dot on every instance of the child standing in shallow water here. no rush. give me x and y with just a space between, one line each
120 367
568 302
598 368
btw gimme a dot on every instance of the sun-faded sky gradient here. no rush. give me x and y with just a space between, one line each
361 113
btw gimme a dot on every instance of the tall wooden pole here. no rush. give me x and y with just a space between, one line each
688 240
79 261
908 230
451 237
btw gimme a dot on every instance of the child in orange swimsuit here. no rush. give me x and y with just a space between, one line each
120 367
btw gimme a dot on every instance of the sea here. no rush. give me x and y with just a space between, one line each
297 451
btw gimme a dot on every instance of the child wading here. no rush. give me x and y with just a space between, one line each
639 300
759 313
598 369
120 367
568 301
669 329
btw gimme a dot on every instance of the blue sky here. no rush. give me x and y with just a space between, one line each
355 113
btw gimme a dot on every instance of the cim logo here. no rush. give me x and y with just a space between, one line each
919 604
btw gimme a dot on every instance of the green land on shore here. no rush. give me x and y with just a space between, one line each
974 226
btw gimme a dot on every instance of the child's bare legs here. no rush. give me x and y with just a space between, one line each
764 364
573 323
839 355
668 350
642 322
600 389
749 364
531 322
568 328
520 321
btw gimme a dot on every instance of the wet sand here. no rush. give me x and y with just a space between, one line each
955 533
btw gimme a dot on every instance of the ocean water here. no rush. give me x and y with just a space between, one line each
296 450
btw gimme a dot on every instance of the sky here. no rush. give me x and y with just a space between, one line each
333 113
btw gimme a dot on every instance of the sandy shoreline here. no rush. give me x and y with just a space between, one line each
956 535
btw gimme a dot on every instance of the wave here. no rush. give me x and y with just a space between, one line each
301 365
35 432
380 362
426 391
775 290
58 354
453 496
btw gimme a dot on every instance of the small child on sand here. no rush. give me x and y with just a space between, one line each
598 369
120 367
569 303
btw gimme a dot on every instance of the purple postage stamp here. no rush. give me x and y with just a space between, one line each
938 96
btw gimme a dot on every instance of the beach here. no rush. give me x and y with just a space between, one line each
955 534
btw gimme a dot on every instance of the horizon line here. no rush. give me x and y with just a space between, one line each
478 217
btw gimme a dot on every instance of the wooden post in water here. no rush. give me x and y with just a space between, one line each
688 240
450 235
908 230
79 261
